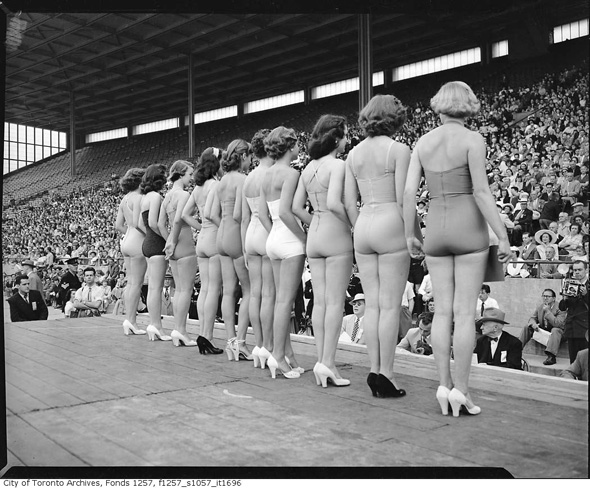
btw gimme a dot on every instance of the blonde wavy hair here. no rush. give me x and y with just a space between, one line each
455 99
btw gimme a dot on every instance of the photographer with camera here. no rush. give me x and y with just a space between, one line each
575 302
417 340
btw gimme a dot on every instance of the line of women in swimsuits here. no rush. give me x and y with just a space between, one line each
252 234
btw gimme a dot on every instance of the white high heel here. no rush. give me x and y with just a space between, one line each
130 329
324 374
255 356
273 366
179 339
442 395
232 350
457 400
263 355
153 334
315 373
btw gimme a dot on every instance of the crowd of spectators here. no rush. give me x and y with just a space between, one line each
538 157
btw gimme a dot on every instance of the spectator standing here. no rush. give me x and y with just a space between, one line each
484 300
576 322
69 280
578 370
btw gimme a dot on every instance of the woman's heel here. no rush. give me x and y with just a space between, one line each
231 350
317 378
263 355
456 399
442 395
255 356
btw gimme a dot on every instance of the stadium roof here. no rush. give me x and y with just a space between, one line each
128 66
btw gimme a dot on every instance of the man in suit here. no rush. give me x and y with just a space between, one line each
34 280
26 304
547 317
417 340
495 347
549 271
523 220
352 324
167 294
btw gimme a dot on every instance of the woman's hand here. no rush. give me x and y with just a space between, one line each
169 248
415 247
504 252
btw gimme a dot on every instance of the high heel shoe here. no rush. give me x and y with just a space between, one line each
386 389
273 366
460 402
232 351
153 334
243 354
206 347
324 374
263 355
317 378
442 395
130 329
372 382
299 369
180 339
255 356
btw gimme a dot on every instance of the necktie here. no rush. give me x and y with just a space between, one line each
27 297
89 293
482 308
166 294
355 329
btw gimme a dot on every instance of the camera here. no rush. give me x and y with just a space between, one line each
570 288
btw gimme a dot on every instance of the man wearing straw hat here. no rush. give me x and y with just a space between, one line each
34 280
495 347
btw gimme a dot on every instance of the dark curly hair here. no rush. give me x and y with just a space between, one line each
153 179
258 143
382 116
232 158
324 138
179 169
131 180
208 165
279 141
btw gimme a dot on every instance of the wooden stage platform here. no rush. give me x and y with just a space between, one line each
79 393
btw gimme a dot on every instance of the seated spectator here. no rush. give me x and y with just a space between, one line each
352 330
563 226
417 340
523 221
584 227
546 239
485 300
578 370
546 317
550 271
579 210
70 307
571 242
405 319
495 347
89 299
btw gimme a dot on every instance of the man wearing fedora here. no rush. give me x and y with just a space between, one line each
523 220
495 347
167 294
353 324
34 280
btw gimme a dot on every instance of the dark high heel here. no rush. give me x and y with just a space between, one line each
205 347
386 389
372 382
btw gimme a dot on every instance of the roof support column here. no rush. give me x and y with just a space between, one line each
191 109
72 136
365 60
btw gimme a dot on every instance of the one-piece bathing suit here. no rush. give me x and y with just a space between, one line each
281 242
256 234
153 244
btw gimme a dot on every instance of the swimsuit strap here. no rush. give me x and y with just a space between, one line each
387 159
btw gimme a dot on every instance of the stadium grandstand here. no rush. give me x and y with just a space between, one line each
92 91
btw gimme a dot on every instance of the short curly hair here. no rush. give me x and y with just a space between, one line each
179 169
153 179
279 141
232 158
208 165
324 138
455 99
131 180
382 116
257 143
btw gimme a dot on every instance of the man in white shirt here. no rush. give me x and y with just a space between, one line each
484 301
352 325
89 298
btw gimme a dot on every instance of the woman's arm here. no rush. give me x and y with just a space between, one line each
137 216
476 151
413 177
351 193
120 222
335 191
176 225
299 200
237 214
265 220
286 202
246 215
163 217
189 210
